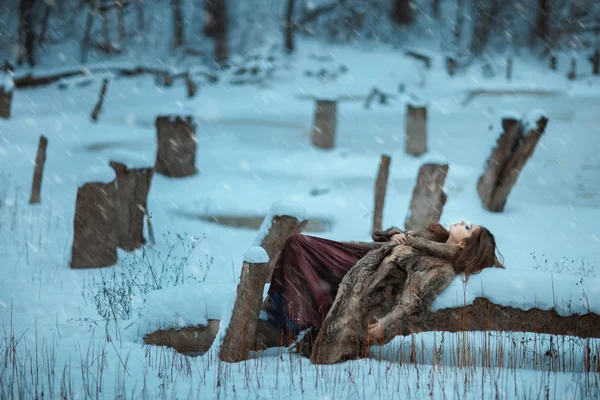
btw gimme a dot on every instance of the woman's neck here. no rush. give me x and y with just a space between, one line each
451 241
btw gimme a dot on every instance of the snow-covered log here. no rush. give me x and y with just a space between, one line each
380 189
416 129
6 94
40 160
96 223
514 147
428 197
283 220
325 122
134 175
176 154
241 331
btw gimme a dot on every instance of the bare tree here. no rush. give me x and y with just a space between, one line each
485 12
289 26
26 32
401 12
215 26
541 23
178 27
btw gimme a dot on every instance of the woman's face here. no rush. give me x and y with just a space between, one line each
462 231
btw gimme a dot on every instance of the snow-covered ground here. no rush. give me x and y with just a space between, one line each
254 149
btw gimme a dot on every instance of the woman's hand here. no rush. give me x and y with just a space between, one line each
400 238
375 331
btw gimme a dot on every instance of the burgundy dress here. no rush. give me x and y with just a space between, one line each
306 279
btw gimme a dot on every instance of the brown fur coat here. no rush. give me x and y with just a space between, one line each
389 284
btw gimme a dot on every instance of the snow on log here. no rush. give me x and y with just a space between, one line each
380 189
284 219
133 177
96 222
176 154
514 147
325 122
40 160
428 197
239 338
6 94
98 107
416 129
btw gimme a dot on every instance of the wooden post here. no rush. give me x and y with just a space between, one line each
98 106
573 72
176 154
450 65
191 86
325 124
40 160
416 130
242 327
595 60
380 189
428 197
6 94
553 62
277 227
509 68
96 224
133 185
512 151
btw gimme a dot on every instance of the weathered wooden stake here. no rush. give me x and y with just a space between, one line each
513 149
241 331
98 106
325 124
96 225
416 130
133 185
380 189
6 95
191 86
573 72
450 65
595 60
553 62
428 197
275 230
509 68
40 160
176 154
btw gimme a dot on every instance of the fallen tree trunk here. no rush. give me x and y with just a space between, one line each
482 315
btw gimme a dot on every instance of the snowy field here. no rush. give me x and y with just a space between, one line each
253 149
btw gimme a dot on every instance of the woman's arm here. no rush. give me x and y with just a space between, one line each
436 249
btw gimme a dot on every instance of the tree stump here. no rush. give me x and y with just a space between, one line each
40 160
283 220
241 331
428 197
380 189
325 122
6 94
96 224
176 154
514 147
133 184
416 130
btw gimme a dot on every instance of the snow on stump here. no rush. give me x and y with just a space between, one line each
40 160
514 147
283 220
176 154
6 94
96 224
325 122
380 189
134 175
192 339
416 129
241 331
428 197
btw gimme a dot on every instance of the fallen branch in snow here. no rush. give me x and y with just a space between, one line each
100 102
40 160
420 57
193 339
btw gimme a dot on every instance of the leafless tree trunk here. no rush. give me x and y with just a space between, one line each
428 197
216 26
98 107
133 185
541 23
325 124
435 6
402 12
26 32
416 130
139 10
380 189
176 154
484 18
595 59
96 226
289 26
178 26
513 149
241 331
457 31
85 46
45 19
40 160
121 19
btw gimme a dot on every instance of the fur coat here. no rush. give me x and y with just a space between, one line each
391 283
